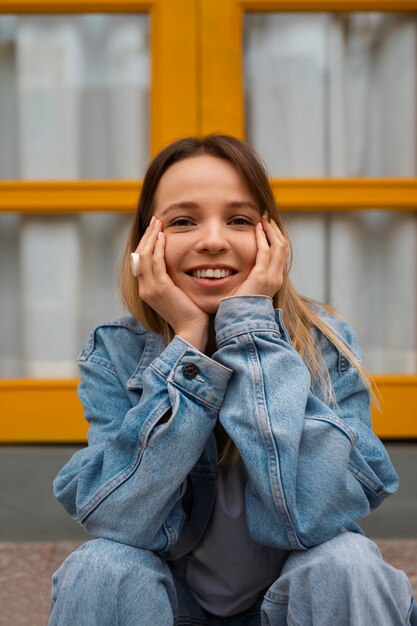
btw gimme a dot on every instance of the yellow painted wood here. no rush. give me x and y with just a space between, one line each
327 5
75 6
122 6
220 67
348 194
54 197
49 410
397 418
174 75
40 411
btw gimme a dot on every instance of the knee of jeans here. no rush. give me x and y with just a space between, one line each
349 553
111 562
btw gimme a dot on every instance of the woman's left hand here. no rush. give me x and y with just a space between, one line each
267 275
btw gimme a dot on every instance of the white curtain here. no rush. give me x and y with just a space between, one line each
334 95
74 94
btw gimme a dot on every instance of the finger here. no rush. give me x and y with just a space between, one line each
271 230
278 231
263 249
146 250
159 266
279 254
145 237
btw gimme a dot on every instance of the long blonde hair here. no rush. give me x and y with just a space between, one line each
298 312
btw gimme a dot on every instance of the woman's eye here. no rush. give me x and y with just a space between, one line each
241 221
181 221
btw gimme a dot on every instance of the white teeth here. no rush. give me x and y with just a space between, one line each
209 273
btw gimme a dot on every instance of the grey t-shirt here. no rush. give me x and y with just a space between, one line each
228 572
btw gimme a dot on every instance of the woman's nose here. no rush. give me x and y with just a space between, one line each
213 238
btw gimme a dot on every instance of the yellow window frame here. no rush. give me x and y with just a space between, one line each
48 410
222 109
196 87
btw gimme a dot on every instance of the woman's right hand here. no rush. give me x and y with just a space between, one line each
157 289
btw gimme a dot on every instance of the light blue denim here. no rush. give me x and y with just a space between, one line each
342 582
313 469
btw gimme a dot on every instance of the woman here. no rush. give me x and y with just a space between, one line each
230 446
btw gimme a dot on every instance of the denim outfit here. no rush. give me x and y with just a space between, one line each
146 489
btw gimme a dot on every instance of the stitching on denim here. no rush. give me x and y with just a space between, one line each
245 329
338 423
277 490
367 480
188 391
103 363
196 396
110 486
184 620
276 598
139 365
150 422
91 342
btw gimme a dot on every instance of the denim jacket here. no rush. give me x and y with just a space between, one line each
313 469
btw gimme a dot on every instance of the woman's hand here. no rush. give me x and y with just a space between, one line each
267 275
157 289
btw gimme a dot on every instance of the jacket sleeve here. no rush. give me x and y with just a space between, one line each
128 483
313 469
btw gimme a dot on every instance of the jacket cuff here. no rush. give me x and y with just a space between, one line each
239 315
193 372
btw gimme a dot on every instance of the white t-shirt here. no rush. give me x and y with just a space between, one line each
228 572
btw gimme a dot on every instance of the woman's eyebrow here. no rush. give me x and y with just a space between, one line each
180 205
242 204
234 204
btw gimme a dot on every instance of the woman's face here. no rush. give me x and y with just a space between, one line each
209 220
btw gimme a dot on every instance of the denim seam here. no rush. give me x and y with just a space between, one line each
338 423
204 401
151 421
277 491
98 360
184 388
91 342
110 486
138 367
367 480
277 598
185 620
244 329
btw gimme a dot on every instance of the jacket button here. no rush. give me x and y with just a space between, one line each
190 370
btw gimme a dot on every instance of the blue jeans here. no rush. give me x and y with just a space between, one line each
343 581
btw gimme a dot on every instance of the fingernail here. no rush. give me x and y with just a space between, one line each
265 216
156 223
152 220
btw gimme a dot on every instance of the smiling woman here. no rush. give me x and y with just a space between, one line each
213 231
231 451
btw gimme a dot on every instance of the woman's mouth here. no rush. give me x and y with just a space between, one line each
211 277
211 273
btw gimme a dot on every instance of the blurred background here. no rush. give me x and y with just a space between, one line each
90 90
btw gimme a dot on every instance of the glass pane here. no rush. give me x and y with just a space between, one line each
332 95
74 93
365 265
58 280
